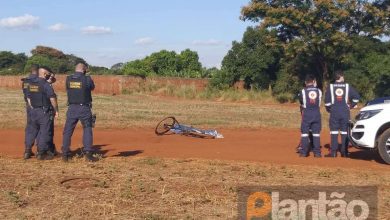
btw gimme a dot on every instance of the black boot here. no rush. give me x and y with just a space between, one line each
90 158
331 154
49 155
40 156
66 158
27 155
53 150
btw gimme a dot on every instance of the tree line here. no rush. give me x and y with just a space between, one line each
289 40
294 38
162 63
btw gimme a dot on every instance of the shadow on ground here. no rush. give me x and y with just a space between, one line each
129 153
97 148
368 155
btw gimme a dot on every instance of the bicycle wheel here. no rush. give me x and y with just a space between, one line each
165 125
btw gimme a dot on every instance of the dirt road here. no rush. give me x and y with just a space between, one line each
275 146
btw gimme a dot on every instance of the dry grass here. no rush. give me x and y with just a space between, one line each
154 188
137 110
152 87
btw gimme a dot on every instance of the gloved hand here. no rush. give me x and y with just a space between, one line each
328 108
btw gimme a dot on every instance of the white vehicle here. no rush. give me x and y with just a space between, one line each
372 128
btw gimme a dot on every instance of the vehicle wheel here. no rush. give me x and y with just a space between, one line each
384 146
165 125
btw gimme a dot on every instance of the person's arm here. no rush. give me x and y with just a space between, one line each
354 96
53 98
29 102
28 97
320 97
300 97
54 103
328 99
24 89
91 83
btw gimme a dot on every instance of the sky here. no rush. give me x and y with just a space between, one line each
105 32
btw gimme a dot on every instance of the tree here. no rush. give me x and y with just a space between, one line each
369 74
383 87
137 68
53 58
252 60
8 59
321 29
57 65
47 51
164 63
74 60
117 66
190 61
11 63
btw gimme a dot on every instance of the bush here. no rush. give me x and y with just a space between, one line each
57 65
11 64
286 85
284 98
222 80
383 87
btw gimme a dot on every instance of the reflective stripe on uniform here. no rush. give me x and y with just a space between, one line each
328 104
304 98
316 135
332 93
334 132
355 100
344 132
304 135
346 93
320 97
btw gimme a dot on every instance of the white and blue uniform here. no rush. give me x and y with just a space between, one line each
339 99
310 99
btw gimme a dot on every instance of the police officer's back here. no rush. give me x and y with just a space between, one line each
25 84
340 97
41 99
79 87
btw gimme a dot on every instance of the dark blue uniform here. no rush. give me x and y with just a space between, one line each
25 84
78 87
339 98
310 99
39 91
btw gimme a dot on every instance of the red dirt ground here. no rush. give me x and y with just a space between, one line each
275 146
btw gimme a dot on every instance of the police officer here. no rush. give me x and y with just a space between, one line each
25 83
52 147
340 97
310 99
79 87
41 100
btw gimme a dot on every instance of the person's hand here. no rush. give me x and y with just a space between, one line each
57 115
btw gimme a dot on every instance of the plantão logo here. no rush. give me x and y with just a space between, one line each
308 202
